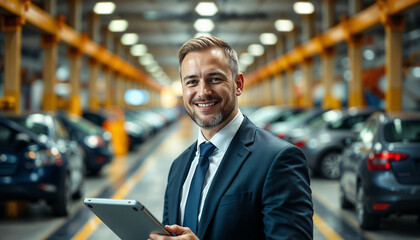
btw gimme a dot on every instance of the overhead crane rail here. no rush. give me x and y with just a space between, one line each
380 12
33 15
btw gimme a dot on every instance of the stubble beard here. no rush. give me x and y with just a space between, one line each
220 117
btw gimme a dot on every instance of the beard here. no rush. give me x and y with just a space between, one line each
221 116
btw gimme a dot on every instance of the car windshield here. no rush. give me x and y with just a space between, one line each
324 118
85 125
402 131
34 122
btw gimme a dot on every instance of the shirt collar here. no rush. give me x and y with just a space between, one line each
223 138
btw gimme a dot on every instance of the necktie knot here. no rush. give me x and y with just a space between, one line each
206 149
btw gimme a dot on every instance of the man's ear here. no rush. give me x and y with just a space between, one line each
239 84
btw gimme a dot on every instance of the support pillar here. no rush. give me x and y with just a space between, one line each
108 86
50 46
327 76
278 87
307 70
11 26
393 62
93 101
355 85
75 60
292 101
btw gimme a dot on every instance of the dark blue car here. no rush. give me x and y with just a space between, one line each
32 166
95 141
380 170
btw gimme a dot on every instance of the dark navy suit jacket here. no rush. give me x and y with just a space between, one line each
260 190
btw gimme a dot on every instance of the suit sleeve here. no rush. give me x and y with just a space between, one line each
287 202
165 220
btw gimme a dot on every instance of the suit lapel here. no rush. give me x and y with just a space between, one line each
234 157
174 203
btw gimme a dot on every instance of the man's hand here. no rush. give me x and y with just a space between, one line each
182 233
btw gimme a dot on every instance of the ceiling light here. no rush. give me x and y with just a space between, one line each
147 59
284 25
256 49
138 50
246 59
416 72
268 38
369 54
202 34
104 8
303 7
206 8
118 25
129 38
204 25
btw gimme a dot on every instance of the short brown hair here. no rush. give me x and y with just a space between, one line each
202 43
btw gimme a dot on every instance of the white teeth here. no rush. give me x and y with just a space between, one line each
205 105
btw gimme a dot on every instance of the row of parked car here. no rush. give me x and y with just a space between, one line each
374 154
47 155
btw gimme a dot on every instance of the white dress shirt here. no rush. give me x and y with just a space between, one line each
221 140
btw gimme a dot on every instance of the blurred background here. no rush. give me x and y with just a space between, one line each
91 105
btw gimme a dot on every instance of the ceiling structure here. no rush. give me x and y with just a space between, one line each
164 25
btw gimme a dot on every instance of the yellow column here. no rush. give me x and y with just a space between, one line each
108 86
50 46
75 59
355 85
93 101
266 85
393 62
328 77
278 88
12 28
292 102
307 70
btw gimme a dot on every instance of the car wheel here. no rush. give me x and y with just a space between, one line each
329 165
61 205
344 203
366 220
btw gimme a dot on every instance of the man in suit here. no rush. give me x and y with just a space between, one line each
255 185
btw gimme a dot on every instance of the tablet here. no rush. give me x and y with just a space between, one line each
128 219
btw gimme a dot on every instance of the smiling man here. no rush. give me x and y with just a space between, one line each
236 181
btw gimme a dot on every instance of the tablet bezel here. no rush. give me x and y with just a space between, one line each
127 218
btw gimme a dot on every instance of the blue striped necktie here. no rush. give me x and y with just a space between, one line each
194 196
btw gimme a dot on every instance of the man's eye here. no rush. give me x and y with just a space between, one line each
215 79
191 82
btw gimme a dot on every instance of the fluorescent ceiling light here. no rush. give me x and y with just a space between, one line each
256 49
284 25
202 34
138 50
129 38
206 9
204 25
118 25
303 7
246 59
369 54
268 38
147 59
104 8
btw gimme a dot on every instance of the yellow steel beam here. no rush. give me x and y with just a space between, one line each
369 17
47 24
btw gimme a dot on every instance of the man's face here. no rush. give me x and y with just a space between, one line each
209 91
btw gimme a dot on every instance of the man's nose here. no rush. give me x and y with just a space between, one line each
203 88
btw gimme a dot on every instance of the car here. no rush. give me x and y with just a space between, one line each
380 169
281 129
112 120
322 142
39 162
94 140
267 115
